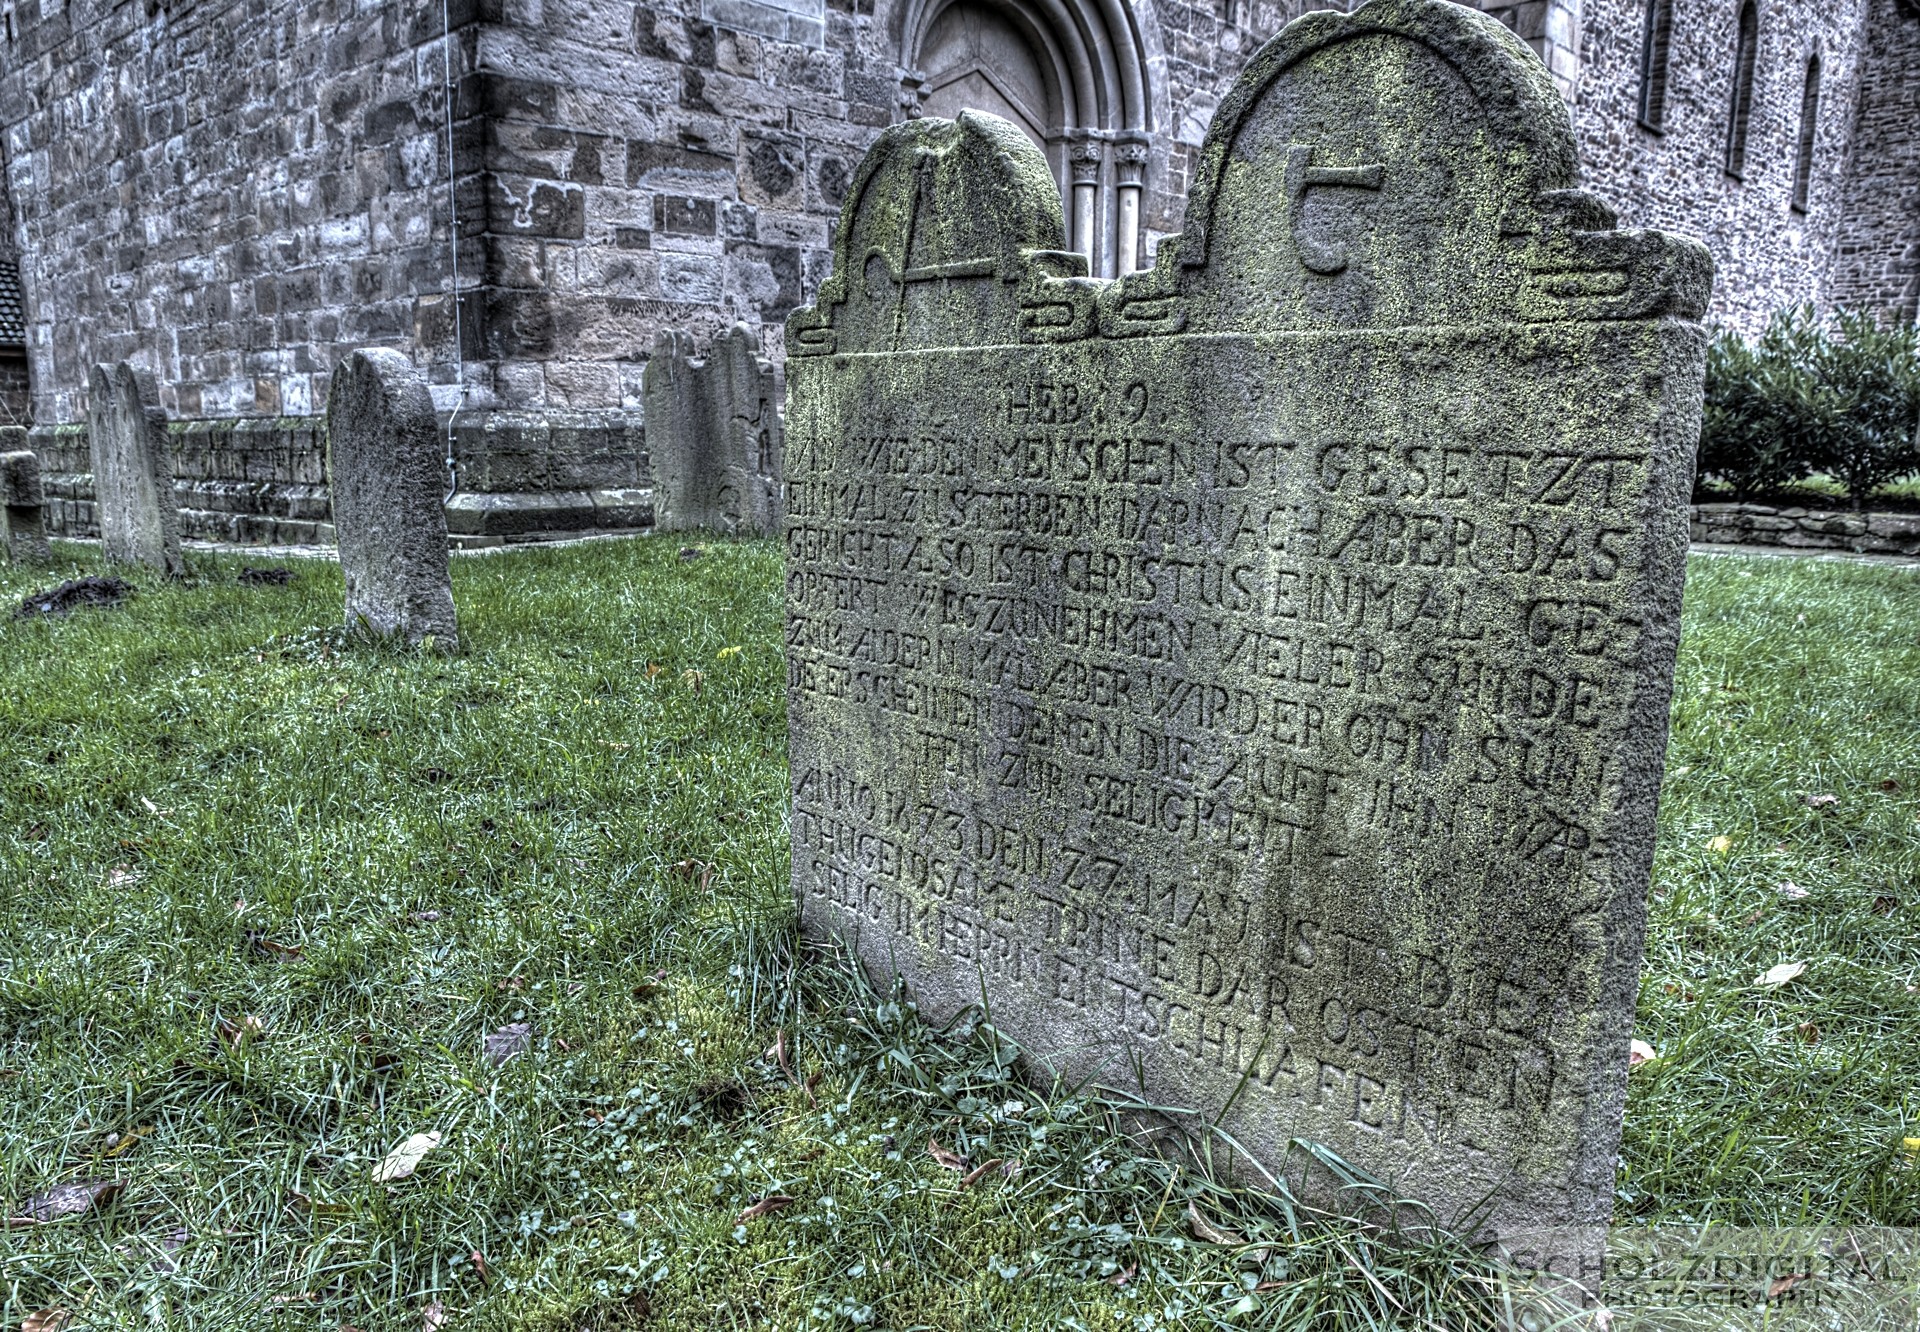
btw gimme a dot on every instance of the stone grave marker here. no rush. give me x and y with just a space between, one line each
388 480
713 433
1251 675
23 505
132 470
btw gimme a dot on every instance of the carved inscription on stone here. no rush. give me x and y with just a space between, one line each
1268 710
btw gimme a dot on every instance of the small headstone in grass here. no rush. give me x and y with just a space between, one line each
388 482
132 470
713 435
1252 675
23 508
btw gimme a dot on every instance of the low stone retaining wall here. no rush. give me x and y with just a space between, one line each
521 476
1866 533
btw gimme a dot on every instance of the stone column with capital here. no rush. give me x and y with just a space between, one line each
1083 165
1130 163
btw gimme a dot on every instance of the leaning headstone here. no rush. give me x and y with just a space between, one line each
387 477
132 470
23 506
1251 676
713 433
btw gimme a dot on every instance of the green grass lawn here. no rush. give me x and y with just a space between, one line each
265 892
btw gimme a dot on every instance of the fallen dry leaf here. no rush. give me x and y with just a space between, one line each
65 1200
266 947
242 1033
973 1175
694 680
1720 845
1808 1032
773 1202
777 1052
1889 785
480 1268
950 1160
46 1320
433 1317
301 1202
1822 801
513 1039
403 1160
1776 976
1791 891
120 1142
653 669
1780 1285
1124 1275
1203 1230
1639 1053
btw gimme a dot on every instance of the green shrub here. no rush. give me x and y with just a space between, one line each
1807 397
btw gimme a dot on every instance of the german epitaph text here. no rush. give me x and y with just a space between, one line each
23 507
388 481
1254 672
713 434
132 469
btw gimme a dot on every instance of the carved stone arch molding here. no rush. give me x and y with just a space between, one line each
1073 75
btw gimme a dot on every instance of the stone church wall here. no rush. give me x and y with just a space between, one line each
1877 260
234 193
1675 179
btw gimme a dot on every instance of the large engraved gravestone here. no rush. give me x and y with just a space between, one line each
388 483
132 470
1252 675
713 434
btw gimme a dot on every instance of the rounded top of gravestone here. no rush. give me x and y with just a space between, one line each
909 274
375 383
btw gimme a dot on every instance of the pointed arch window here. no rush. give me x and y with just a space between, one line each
1654 45
1809 123
1740 109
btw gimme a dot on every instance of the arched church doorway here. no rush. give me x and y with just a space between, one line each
1072 75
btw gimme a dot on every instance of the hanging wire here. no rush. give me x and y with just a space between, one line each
453 252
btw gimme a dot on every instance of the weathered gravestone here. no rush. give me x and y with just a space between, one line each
132 470
1253 674
387 477
713 434
23 506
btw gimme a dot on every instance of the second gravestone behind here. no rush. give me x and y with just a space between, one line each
132 470
388 482
1254 672
713 435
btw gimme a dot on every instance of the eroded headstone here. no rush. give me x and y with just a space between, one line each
23 508
713 433
388 480
1252 675
132 470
